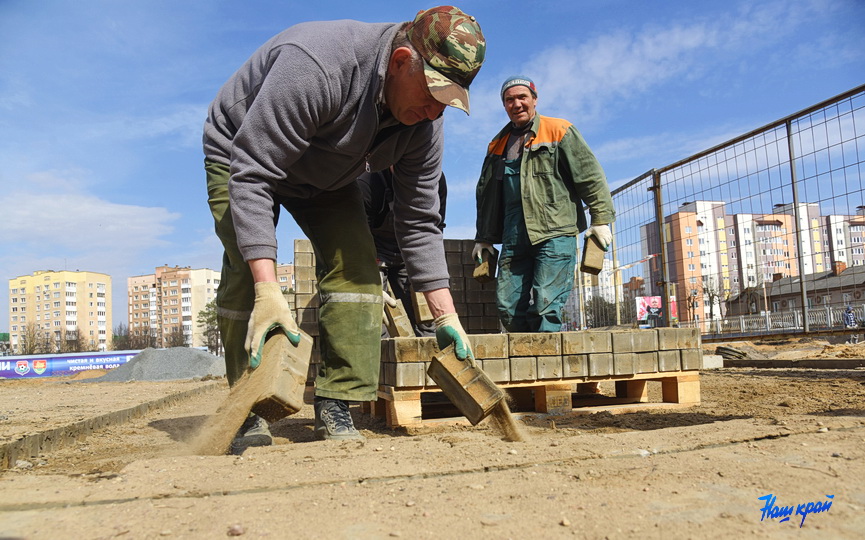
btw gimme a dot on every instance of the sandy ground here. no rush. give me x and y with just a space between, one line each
695 472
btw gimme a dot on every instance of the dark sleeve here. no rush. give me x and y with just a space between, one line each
443 197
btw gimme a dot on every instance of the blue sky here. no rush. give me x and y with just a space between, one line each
102 103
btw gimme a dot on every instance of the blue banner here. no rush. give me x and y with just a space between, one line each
57 365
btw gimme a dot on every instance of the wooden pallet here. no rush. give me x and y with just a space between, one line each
413 407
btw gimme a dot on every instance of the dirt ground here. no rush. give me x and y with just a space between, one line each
672 473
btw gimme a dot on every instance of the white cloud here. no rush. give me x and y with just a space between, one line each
50 213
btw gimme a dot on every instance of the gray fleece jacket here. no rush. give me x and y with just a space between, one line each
302 116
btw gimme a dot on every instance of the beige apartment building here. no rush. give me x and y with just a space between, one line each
163 307
49 310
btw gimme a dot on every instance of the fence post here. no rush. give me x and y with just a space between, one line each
800 258
659 219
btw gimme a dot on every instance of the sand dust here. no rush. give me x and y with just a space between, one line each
504 420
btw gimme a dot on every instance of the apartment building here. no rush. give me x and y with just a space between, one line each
714 256
163 307
49 309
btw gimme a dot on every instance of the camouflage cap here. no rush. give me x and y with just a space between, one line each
453 48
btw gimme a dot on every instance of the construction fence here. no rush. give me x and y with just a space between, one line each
760 234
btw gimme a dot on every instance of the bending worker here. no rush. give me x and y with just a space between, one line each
536 178
297 123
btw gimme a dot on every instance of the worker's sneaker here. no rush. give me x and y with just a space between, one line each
253 432
333 420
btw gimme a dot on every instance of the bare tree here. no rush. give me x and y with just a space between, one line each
120 338
175 337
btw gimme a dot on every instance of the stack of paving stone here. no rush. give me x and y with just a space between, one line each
306 299
475 302
547 357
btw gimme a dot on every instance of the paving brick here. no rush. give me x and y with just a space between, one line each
535 344
388 374
623 342
669 360
550 367
302 245
575 365
307 300
405 350
689 338
624 363
668 339
692 359
409 375
647 362
304 273
524 368
497 369
427 348
303 260
586 342
306 316
489 345
305 287
600 364
644 340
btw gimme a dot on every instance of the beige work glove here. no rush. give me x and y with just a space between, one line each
449 330
480 247
270 310
387 301
602 233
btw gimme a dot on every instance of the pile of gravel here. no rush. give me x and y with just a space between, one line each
176 363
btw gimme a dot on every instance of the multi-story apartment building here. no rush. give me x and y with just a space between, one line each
163 307
285 276
49 309
714 256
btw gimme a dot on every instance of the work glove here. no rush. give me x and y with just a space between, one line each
477 252
270 310
448 331
602 233
387 300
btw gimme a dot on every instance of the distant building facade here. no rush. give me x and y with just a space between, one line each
50 309
163 307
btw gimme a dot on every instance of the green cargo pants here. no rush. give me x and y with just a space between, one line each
348 280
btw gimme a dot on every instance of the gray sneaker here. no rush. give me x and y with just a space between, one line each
333 420
253 432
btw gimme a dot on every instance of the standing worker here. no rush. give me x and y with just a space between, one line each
294 127
537 175
377 191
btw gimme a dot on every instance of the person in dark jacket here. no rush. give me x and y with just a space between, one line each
377 191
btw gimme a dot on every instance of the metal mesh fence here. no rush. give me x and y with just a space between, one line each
763 233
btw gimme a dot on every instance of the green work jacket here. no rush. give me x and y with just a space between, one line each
559 174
